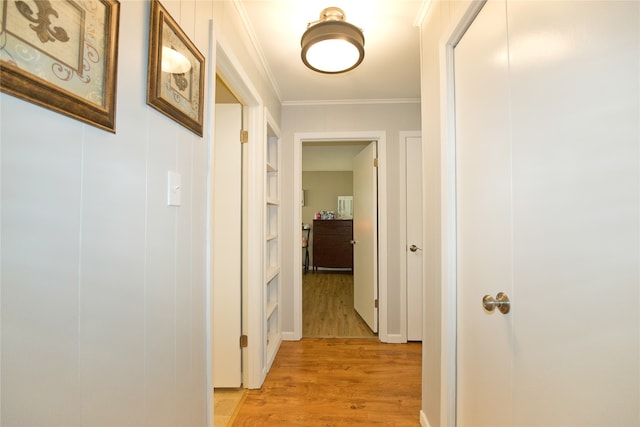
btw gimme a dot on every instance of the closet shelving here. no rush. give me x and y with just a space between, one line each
273 327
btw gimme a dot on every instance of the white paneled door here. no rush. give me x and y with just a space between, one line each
547 189
365 236
227 247
414 219
483 221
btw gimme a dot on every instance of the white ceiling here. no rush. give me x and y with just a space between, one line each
391 66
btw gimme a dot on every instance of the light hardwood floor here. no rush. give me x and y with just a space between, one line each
226 402
327 306
337 382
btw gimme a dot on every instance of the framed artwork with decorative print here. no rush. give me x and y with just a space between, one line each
62 55
175 73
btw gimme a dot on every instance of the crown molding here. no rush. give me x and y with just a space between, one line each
422 13
261 59
352 102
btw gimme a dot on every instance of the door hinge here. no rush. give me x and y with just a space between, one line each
375 303
375 162
244 341
244 136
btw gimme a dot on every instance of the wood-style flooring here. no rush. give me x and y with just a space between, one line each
337 382
327 306
226 402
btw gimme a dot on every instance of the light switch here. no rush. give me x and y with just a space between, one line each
174 189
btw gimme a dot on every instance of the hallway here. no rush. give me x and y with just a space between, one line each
327 306
327 313
338 382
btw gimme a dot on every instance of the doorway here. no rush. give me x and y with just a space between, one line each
332 191
252 237
381 271
227 259
411 216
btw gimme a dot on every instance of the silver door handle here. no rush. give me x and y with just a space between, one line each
501 302
353 242
414 248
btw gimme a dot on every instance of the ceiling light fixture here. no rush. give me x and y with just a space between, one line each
331 45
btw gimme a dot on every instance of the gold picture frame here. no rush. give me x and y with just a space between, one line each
62 55
175 74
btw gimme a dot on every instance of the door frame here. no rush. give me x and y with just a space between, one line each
223 63
449 304
380 137
227 310
404 290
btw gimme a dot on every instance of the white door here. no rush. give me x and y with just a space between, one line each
483 221
414 219
365 236
547 180
227 247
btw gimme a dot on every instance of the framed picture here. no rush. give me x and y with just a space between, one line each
175 79
62 55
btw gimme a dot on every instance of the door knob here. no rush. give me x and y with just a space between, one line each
501 302
353 242
414 248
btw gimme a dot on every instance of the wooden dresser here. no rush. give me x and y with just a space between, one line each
332 243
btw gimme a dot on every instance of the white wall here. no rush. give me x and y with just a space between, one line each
391 118
436 23
102 285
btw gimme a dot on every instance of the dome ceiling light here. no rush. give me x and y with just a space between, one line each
331 45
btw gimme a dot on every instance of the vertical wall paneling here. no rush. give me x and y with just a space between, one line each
103 298
206 38
40 220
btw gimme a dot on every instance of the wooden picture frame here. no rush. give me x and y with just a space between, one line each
175 74
62 55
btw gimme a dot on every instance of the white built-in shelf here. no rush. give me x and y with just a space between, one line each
271 307
272 290
272 272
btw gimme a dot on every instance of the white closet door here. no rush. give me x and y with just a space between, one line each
548 183
483 221
414 218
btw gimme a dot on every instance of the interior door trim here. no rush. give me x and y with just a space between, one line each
381 138
453 35
232 73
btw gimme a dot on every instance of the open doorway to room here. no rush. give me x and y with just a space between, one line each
227 248
328 242
371 147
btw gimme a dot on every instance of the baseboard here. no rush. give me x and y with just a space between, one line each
311 268
423 419
393 339
289 336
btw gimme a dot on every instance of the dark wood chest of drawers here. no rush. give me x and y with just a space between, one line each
332 243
